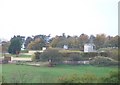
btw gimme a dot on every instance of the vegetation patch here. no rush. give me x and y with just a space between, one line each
43 74
70 51
103 61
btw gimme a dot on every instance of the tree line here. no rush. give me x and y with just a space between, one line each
73 42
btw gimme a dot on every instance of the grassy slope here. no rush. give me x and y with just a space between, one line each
49 74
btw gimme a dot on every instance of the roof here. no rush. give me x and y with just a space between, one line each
90 44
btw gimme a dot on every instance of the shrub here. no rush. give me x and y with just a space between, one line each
74 78
36 56
105 54
112 77
113 54
65 54
2 80
51 55
88 78
33 57
90 54
103 61
110 52
74 57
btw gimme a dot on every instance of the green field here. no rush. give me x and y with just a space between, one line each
21 73
22 56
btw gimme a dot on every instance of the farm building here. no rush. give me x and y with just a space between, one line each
89 47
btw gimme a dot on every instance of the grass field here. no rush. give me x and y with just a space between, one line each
70 51
22 55
20 73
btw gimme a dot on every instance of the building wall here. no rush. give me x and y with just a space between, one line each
65 47
88 48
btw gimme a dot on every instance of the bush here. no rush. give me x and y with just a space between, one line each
74 78
51 55
110 52
65 54
112 77
33 57
113 54
103 61
36 56
74 57
90 54
88 78
105 54
2 79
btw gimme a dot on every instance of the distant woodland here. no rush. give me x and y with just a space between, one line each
73 42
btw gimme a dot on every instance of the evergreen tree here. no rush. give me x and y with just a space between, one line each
15 45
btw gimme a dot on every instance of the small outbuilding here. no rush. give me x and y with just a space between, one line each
89 47
65 47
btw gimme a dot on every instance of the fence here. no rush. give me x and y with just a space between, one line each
76 62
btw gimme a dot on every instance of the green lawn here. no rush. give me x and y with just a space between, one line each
70 51
31 74
22 56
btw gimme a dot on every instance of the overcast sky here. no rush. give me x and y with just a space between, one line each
72 17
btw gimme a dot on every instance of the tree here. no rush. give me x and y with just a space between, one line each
27 41
15 45
37 44
107 41
60 41
51 55
45 38
55 41
73 42
100 40
83 39
91 39
5 45
114 41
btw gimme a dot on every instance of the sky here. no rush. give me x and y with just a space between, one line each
72 17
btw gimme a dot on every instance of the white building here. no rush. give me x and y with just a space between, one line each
44 48
65 47
89 48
